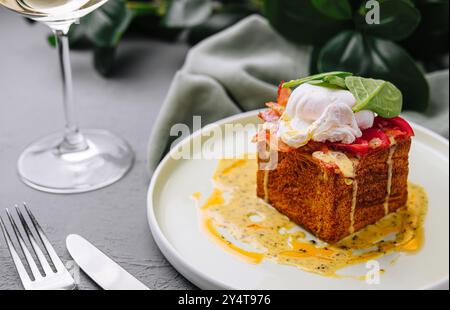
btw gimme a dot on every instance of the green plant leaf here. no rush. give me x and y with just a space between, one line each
340 10
380 59
104 58
147 7
432 36
51 40
317 77
223 17
151 25
398 20
105 26
377 96
215 23
300 21
78 37
188 13
314 58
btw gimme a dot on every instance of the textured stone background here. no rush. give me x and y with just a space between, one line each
114 219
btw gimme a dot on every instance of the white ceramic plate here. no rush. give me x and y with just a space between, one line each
175 224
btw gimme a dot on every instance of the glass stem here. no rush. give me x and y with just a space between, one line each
73 139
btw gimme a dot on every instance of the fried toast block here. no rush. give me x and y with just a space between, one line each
327 204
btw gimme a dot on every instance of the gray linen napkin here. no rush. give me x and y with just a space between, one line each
238 70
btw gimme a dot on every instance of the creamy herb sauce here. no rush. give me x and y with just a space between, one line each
245 225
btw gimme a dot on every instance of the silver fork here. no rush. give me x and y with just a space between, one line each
58 278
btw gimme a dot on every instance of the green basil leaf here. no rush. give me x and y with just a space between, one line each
323 83
398 20
315 82
340 10
377 96
319 77
188 13
105 26
300 21
380 59
336 80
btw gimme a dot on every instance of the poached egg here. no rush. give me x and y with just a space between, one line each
322 114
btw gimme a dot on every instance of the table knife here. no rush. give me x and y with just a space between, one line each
99 267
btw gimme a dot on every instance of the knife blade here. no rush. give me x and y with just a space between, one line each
99 267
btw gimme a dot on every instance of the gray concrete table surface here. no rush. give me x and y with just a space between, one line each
114 218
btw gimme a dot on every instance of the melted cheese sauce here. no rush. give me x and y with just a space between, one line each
353 208
266 185
245 225
389 183
345 164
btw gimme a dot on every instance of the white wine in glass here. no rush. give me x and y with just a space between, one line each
78 160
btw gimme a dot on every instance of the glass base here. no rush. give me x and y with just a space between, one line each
44 166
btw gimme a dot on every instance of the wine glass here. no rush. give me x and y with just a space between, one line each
76 161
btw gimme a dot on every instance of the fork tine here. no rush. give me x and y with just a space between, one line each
30 260
37 251
47 245
23 274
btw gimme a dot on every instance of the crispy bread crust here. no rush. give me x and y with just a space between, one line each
319 199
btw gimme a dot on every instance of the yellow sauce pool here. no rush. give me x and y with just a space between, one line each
246 226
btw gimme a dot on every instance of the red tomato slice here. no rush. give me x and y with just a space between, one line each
403 125
376 138
372 139
359 147
396 126
396 133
